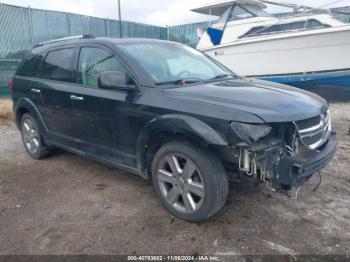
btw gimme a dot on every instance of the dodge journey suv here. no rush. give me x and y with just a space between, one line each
170 114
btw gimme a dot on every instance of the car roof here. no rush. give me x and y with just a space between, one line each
134 40
91 40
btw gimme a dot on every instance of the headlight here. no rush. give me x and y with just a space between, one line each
249 132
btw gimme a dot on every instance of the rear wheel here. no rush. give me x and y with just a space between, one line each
190 181
32 138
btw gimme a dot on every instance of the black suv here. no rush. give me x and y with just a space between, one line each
170 114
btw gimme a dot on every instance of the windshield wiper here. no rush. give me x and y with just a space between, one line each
222 76
180 81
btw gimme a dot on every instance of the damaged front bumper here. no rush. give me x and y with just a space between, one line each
293 170
269 160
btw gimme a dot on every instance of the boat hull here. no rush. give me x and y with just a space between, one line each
318 58
334 78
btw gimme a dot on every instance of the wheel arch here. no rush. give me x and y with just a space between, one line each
172 127
25 105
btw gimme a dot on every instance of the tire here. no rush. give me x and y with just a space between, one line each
190 181
32 138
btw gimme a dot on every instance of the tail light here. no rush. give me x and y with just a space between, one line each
10 84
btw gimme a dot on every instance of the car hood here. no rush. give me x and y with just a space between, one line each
269 101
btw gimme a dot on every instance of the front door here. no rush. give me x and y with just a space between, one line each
99 114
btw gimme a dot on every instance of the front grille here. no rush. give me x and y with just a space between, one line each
307 123
315 131
312 139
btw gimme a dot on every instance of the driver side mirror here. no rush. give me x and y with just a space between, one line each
116 80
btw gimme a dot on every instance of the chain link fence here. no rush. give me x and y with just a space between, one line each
23 27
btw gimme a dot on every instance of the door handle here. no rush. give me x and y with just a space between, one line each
37 91
76 98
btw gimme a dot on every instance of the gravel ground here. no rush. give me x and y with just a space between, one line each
66 204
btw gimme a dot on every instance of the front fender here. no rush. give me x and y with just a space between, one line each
27 105
178 125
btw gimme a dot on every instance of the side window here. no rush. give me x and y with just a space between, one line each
93 61
58 65
271 29
30 67
260 30
312 23
293 26
252 32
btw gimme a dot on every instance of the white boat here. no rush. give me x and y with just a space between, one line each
302 50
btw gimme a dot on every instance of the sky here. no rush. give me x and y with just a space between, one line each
157 12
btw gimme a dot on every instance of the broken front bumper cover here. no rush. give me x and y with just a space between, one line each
292 170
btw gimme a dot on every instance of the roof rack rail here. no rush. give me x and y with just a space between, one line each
65 39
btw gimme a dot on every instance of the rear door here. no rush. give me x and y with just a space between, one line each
26 80
57 76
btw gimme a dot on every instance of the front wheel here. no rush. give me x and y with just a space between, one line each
190 181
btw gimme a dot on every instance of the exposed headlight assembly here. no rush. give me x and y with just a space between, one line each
250 133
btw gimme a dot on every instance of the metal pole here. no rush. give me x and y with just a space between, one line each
168 32
107 27
210 15
30 25
120 20
69 30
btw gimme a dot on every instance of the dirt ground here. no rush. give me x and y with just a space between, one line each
67 204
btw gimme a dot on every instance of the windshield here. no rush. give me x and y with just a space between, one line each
257 11
242 12
167 62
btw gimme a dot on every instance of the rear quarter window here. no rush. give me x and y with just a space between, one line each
30 66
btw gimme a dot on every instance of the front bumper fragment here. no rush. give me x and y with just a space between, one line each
295 171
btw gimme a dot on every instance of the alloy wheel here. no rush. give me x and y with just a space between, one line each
30 136
181 183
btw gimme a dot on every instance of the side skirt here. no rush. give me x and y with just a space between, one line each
119 160
96 158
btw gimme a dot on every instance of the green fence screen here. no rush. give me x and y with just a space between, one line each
21 28
186 33
7 68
